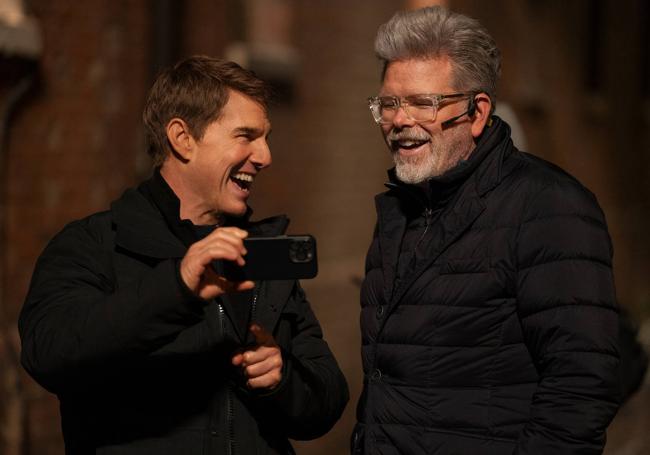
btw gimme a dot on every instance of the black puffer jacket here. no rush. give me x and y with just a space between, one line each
502 338
142 367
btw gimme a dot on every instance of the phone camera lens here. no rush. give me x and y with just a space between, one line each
301 251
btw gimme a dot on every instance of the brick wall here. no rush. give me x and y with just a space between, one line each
72 147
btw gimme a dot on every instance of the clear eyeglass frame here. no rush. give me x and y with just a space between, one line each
419 107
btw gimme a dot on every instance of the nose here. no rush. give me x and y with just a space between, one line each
401 119
261 157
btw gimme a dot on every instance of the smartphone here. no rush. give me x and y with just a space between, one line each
284 257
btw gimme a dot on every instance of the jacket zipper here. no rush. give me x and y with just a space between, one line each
254 302
428 215
230 422
230 437
229 402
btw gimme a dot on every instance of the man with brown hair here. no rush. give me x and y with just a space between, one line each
149 350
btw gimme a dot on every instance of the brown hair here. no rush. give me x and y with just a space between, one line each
196 90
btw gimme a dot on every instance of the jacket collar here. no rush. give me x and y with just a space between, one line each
141 228
495 146
160 194
462 208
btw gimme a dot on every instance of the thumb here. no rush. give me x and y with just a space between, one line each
262 336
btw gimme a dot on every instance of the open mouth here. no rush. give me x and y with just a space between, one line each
407 144
242 180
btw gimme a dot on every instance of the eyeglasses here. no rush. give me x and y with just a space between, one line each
419 108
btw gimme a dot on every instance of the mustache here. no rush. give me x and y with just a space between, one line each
408 135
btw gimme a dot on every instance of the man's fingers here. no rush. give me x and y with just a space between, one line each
268 381
222 252
243 286
265 366
235 286
238 359
258 354
231 230
266 373
262 336
196 267
222 243
236 231
231 234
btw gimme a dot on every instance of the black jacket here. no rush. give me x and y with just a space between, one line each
500 334
142 367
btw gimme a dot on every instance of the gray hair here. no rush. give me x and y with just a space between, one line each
437 32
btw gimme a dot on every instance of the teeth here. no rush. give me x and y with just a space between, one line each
243 177
409 143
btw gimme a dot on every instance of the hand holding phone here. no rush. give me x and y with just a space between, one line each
284 257
197 266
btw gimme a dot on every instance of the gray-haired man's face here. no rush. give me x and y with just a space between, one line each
422 150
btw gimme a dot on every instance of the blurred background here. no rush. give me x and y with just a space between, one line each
74 76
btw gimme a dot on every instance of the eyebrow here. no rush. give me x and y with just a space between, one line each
251 131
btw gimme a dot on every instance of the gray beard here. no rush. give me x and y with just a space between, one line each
443 155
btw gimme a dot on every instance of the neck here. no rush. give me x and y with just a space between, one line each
191 206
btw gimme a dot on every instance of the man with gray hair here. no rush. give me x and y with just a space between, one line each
489 317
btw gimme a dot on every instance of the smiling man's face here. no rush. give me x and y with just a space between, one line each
232 151
425 149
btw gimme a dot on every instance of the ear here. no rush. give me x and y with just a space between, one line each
180 138
483 105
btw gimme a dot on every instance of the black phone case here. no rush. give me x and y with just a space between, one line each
286 257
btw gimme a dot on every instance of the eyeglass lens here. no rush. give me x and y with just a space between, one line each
418 108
